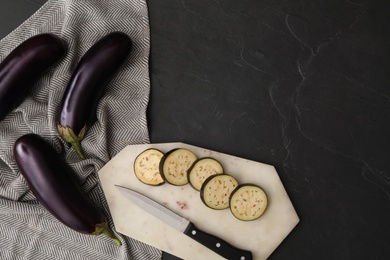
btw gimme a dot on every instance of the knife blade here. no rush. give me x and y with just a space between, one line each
185 226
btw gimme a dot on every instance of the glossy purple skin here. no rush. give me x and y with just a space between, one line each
53 184
24 66
92 74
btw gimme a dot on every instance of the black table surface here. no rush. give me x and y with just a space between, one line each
301 85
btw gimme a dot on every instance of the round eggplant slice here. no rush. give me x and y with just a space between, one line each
146 167
248 202
175 164
216 189
201 170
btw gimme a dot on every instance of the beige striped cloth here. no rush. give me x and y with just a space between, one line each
27 230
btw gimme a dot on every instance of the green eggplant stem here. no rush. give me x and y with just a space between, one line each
69 136
77 146
103 228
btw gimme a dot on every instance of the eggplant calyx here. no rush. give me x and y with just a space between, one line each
103 228
69 136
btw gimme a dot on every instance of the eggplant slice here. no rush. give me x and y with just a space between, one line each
146 167
175 164
248 202
216 190
201 170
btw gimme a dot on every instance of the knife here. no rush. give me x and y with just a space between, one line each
212 242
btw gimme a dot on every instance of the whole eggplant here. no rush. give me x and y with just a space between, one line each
52 182
24 66
93 72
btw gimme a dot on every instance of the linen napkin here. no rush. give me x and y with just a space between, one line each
27 230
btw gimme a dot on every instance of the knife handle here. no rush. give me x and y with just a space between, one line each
216 244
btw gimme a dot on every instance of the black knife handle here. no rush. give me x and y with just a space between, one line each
216 244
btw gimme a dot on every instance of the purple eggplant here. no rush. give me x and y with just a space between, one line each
24 66
92 74
54 185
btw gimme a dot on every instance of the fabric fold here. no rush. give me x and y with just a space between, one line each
27 231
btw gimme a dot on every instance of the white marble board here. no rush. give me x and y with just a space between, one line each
261 236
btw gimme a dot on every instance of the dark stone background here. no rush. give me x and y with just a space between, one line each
302 85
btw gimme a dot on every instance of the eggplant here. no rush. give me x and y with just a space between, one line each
248 202
146 167
92 74
174 166
201 169
216 190
24 66
54 185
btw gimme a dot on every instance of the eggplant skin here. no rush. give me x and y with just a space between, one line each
92 74
24 66
52 182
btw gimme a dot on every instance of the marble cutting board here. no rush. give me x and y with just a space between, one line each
261 236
